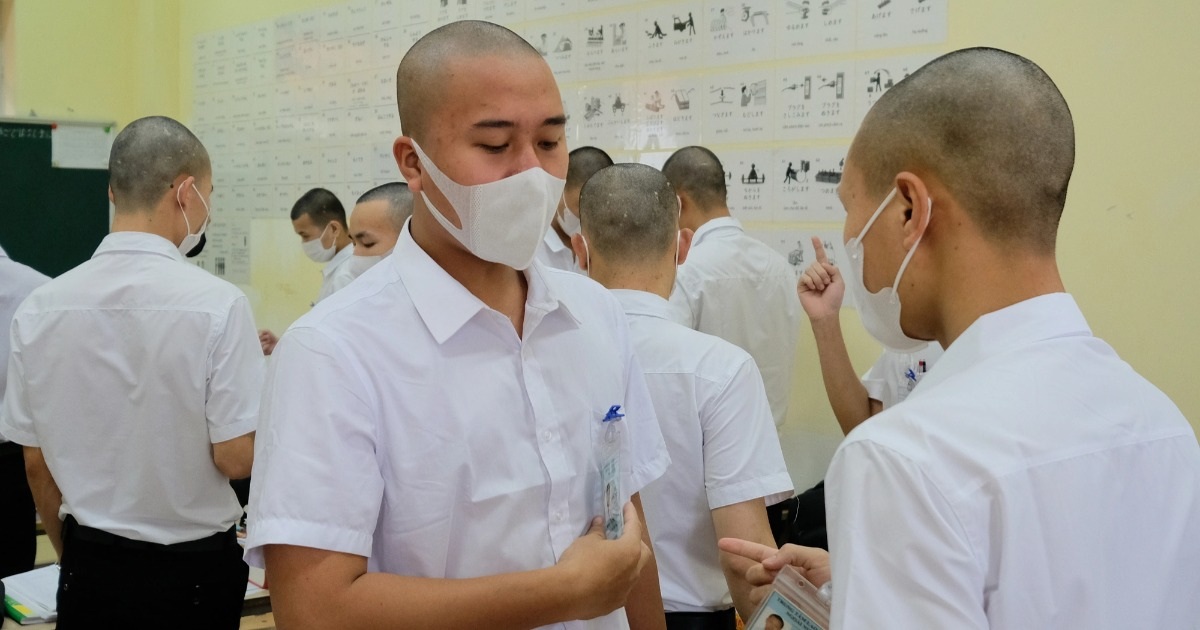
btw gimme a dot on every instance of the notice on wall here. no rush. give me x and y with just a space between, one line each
80 146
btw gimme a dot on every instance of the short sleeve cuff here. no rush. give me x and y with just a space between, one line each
874 386
286 531
649 471
233 430
772 489
18 436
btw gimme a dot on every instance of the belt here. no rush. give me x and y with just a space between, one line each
216 542
717 620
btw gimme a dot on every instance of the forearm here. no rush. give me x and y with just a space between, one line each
512 601
849 399
745 521
644 609
47 498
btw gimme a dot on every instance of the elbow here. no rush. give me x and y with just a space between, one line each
234 466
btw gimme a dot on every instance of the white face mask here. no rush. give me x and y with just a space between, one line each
191 241
502 221
569 222
880 312
359 264
316 250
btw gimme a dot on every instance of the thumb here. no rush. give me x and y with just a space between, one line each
633 525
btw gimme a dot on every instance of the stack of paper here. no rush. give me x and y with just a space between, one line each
32 597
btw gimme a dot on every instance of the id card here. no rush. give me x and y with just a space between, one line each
610 474
794 604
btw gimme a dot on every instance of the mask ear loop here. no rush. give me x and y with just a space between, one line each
908 257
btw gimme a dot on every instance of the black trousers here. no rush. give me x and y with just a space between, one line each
719 620
18 527
110 581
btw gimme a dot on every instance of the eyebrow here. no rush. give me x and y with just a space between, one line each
553 121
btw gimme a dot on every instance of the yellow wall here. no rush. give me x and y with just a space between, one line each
1127 69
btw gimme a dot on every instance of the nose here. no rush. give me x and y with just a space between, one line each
525 157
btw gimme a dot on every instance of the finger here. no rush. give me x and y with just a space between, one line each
746 549
758 575
815 278
758 594
596 528
644 558
633 525
833 271
821 257
822 272
806 284
795 555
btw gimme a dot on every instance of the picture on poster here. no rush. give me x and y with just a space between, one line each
670 113
895 23
814 101
670 38
609 118
798 195
738 107
748 184
555 41
608 50
815 27
506 12
876 76
447 11
739 32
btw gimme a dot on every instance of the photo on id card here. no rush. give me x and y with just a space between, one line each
794 604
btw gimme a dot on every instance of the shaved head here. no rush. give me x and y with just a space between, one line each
992 126
396 198
583 163
629 214
146 158
696 172
422 73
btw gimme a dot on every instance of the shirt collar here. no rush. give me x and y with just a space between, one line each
553 242
338 260
1044 317
713 225
635 302
142 242
445 306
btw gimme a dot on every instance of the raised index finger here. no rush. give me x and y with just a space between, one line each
821 257
746 549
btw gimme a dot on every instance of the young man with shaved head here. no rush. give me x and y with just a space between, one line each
726 462
376 222
430 456
555 250
1032 479
134 383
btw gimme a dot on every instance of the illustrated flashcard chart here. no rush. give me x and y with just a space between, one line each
609 47
739 32
556 42
895 23
805 181
542 9
447 11
797 247
609 116
738 107
670 113
876 76
498 11
814 101
815 27
671 38
748 183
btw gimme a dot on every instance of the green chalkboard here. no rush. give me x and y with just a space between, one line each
51 219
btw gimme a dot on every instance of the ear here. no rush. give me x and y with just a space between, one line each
183 188
685 244
111 199
911 189
577 246
409 163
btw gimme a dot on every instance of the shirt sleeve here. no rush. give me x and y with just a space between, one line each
235 376
875 380
901 557
316 478
742 457
16 422
648 451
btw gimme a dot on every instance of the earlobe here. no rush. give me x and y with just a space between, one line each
912 190
408 162
685 244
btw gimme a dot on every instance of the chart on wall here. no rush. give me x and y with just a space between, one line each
775 87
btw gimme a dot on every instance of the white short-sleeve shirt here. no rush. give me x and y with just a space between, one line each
17 281
895 374
405 421
1031 480
714 415
124 371
336 273
739 289
554 254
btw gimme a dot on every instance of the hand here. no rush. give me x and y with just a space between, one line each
763 563
821 287
604 571
267 340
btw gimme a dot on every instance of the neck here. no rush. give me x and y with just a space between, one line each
699 217
341 242
657 279
988 282
562 236
153 221
500 287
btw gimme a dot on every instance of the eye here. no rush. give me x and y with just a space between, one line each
549 145
490 148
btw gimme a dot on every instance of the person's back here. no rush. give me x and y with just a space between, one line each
1064 503
733 285
726 464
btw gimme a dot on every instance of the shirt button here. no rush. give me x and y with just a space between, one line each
547 435
558 517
